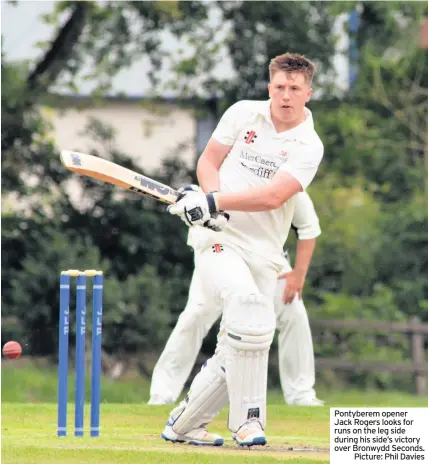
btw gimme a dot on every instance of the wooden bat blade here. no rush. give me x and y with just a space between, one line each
112 173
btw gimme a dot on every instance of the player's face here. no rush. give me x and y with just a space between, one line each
289 93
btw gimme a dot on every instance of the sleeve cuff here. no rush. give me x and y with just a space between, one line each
212 203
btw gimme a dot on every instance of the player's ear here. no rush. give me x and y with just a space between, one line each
269 88
309 95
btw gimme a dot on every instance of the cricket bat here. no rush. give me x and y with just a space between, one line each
112 173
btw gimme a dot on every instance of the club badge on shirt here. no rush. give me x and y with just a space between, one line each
217 248
250 137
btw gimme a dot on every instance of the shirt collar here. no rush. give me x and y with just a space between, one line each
299 132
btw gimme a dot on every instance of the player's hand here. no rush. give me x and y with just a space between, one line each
218 221
196 208
192 207
183 191
295 282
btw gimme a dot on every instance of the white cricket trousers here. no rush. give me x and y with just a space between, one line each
295 348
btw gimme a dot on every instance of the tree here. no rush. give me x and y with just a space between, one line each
378 130
263 30
129 30
37 82
370 178
401 87
250 34
44 232
146 265
117 33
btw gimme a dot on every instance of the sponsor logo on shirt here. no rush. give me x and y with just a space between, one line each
262 166
261 172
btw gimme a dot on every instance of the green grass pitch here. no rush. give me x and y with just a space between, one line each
130 429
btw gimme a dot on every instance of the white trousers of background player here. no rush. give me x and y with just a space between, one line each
295 349
244 286
181 350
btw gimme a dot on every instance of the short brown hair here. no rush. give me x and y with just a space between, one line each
292 62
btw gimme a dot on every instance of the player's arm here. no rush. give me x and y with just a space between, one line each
202 210
292 177
219 145
265 198
209 165
297 276
304 251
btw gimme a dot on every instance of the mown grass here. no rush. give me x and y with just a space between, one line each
39 383
131 433
131 428
25 382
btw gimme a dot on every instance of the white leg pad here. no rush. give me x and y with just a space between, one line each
250 327
206 397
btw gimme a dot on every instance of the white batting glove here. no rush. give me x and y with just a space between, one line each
218 221
193 208
196 208
186 189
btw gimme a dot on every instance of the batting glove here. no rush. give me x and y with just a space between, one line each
196 208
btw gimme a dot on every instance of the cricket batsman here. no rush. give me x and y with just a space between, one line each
261 155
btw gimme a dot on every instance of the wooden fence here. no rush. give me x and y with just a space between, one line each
417 331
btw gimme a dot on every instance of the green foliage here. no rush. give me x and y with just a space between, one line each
34 260
383 24
403 257
138 313
363 141
371 260
118 33
45 230
146 277
344 260
353 345
263 30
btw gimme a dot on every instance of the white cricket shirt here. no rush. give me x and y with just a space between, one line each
305 218
257 153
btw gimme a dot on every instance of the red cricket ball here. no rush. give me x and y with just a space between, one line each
12 350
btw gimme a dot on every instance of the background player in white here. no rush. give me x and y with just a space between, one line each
261 154
295 349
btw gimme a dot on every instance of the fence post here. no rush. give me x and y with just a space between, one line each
418 356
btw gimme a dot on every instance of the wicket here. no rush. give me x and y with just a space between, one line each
64 325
